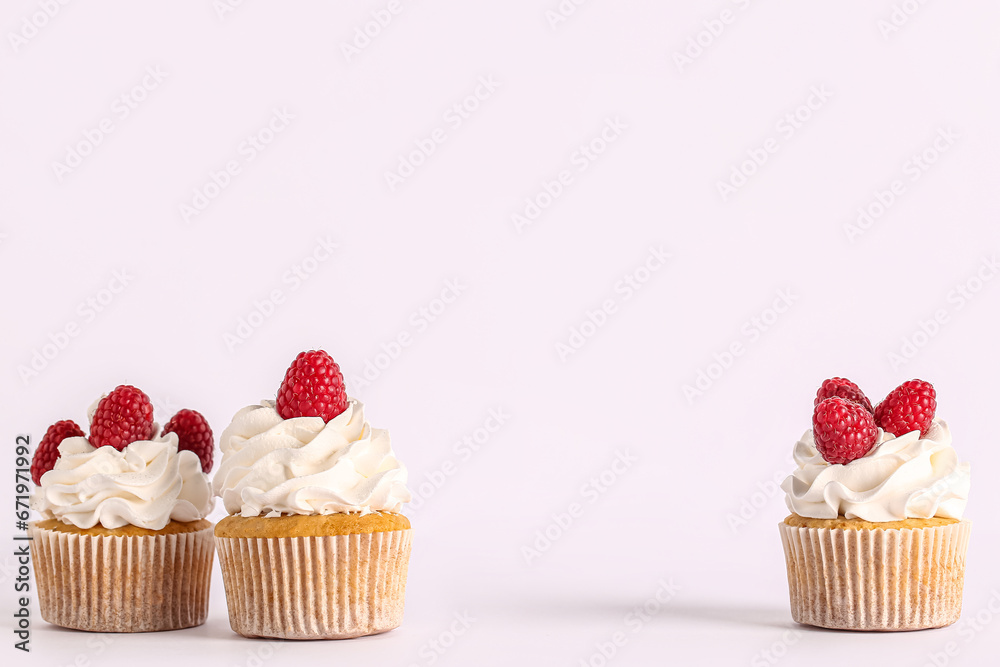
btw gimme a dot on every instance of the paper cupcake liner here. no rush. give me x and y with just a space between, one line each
905 579
123 583
331 587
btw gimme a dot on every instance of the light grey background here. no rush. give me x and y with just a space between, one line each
698 507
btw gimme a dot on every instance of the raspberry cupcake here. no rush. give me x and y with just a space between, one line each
315 546
876 538
123 544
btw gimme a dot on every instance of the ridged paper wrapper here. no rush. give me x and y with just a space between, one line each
109 583
876 579
328 587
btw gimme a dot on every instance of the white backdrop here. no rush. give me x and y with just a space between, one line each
637 234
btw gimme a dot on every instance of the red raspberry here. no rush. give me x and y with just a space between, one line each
194 434
122 417
313 387
45 456
908 407
843 430
843 388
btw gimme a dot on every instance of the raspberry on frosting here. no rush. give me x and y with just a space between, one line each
313 387
122 417
845 468
843 430
908 407
194 434
119 419
843 388
48 449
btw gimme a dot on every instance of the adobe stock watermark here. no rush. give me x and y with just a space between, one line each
86 312
120 109
248 150
34 23
785 129
750 332
408 162
561 12
912 170
708 34
778 649
164 408
261 653
751 504
292 279
417 323
581 159
634 621
364 34
971 626
589 493
96 646
957 298
622 291
8 568
898 17
435 647
223 8
462 451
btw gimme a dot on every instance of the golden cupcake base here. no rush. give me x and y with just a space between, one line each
857 575
314 577
123 580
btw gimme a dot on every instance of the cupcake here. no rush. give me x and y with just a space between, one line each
123 544
314 546
876 538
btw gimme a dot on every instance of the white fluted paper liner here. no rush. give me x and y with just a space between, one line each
331 587
897 579
139 583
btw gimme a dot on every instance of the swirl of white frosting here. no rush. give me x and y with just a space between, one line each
908 477
147 484
273 466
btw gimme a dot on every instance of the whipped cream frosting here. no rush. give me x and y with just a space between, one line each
273 466
908 477
147 484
